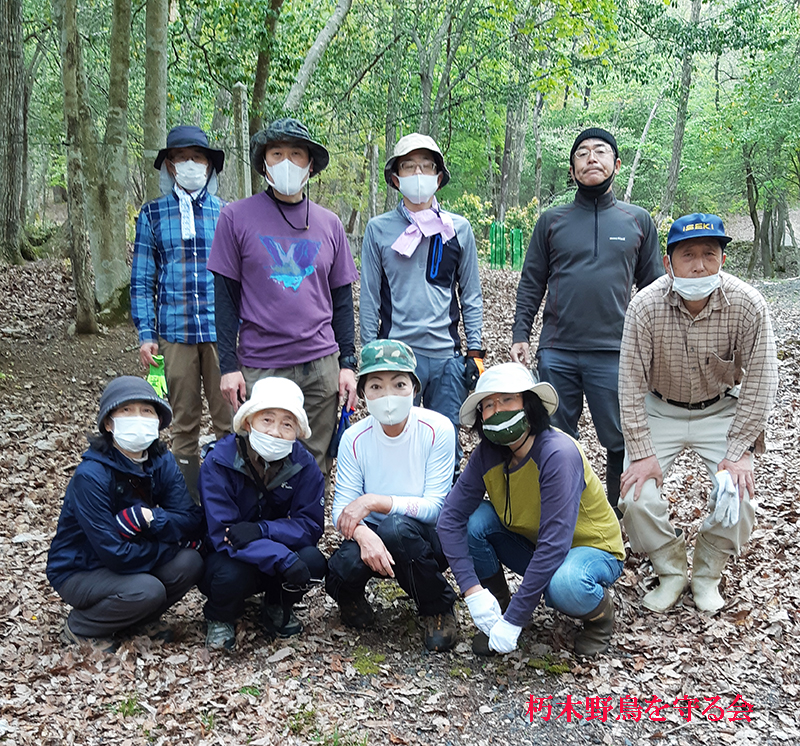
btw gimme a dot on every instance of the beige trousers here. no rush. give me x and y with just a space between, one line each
674 429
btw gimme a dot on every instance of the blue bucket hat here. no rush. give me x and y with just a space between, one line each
131 388
189 136
697 225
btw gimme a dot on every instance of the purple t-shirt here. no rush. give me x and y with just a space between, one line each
286 277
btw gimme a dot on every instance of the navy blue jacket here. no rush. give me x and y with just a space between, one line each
292 518
87 537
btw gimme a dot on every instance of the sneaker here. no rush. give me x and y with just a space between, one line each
103 644
356 612
220 635
272 617
440 632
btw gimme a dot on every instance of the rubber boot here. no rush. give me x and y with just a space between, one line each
598 624
707 569
497 585
190 468
672 569
614 462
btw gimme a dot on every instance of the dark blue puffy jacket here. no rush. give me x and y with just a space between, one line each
291 518
104 483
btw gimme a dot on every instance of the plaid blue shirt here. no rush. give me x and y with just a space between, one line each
172 292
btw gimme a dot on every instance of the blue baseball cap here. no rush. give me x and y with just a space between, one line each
697 225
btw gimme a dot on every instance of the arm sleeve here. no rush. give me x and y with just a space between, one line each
371 277
462 501
469 280
304 525
343 321
143 280
561 483
635 360
649 264
175 517
95 513
439 468
532 283
227 298
349 477
759 385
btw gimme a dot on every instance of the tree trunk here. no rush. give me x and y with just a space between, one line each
638 156
315 54
393 69
537 136
65 12
374 170
752 205
12 84
680 124
260 82
513 153
154 116
767 237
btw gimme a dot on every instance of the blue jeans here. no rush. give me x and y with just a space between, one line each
443 388
576 587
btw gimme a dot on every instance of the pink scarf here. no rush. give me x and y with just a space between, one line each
424 223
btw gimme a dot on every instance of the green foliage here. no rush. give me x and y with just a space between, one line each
479 213
523 218
367 662
550 665
250 691
128 706
301 721
458 672
208 719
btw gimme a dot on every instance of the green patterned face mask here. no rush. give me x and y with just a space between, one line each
505 428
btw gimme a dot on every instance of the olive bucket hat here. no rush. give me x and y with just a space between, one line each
287 130
386 355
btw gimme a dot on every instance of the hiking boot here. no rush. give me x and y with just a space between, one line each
220 635
440 632
480 645
595 637
103 644
280 621
158 631
356 612
497 585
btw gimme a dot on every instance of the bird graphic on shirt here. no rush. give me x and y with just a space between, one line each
292 266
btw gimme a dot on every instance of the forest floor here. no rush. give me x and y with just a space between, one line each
332 685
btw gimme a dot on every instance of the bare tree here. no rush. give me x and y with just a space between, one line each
638 156
154 116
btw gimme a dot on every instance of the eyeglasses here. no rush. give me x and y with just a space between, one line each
600 151
499 402
409 168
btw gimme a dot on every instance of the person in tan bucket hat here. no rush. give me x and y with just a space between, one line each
419 278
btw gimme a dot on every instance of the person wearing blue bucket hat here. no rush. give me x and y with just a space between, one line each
283 274
698 370
172 291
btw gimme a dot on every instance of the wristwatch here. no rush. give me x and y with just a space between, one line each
348 361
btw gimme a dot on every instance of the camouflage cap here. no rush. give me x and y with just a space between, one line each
386 355
287 130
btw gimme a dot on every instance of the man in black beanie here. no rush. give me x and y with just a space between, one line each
587 253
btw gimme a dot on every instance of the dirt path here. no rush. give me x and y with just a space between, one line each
332 686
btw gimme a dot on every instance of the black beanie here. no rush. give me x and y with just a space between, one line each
597 133
131 388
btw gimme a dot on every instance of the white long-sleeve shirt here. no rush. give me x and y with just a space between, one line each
415 468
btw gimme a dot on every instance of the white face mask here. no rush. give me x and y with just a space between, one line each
190 175
419 188
269 447
390 410
286 177
135 434
695 288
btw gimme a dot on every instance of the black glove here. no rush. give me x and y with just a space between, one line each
243 533
297 573
473 368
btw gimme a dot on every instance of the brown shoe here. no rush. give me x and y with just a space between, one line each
440 632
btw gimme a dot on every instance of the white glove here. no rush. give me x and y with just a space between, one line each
503 637
484 609
726 494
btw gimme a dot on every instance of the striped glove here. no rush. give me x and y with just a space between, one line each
131 522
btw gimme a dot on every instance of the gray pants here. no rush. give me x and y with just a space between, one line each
105 602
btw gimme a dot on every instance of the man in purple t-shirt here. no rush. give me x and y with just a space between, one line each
283 273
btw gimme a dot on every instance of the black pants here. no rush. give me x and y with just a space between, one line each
105 602
229 582
419 564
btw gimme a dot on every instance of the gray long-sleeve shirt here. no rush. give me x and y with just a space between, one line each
587 255
416 299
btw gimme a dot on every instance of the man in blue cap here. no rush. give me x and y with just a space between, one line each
172 292
698 369
586 255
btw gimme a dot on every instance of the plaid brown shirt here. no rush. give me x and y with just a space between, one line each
688 359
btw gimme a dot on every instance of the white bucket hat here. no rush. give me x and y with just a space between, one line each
409 143
506 378
273 393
